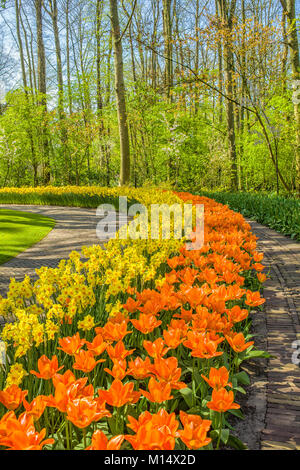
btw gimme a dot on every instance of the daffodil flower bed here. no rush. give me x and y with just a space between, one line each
135 346
82 196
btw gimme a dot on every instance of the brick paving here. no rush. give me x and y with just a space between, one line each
281 428
75 227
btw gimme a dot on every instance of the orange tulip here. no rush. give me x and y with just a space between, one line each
148 294
67 378
97 346
153 432
173 262
47 368
3 423
253 299
146 323
37 407
216 304
60 399
119 318
119 394
101 407
131 305
163 418
218 378
20 434
119 369
237 342
143 419
113 331
258 257
229 277
204 321
12 397
258 267
179 325
139 369
83 411
261 277
64 393
167 371
156 349
101 442
158 391
222 401
85 361
157 420
118 351
151 439
71 344
210 276
234 292
173 337
193 295
195 429
236 314
153 306
202 345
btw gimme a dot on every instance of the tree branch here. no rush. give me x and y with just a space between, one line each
129 20
197 77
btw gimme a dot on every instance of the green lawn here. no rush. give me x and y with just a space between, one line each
20 230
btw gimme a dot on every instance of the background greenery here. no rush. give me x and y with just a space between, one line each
278 213
66 132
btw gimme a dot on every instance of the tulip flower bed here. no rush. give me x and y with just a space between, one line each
138 346
279 213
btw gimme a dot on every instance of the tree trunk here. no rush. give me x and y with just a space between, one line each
227 10
155 12
285 53
68 57
61 110
220 70
120 95
290 9
99 11
54 13
29 131
42 87
27 50
168 48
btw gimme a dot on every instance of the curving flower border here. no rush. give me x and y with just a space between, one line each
139 346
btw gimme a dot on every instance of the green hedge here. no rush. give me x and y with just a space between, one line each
279 213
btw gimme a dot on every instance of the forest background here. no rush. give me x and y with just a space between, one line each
193 93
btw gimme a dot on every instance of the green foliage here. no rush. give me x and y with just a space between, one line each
281 214
174 143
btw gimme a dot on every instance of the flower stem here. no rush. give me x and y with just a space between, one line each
220 430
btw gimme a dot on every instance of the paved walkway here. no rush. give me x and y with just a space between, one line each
281 427
75 227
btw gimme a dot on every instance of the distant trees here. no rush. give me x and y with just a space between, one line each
227 11
120 95
289 9
195 93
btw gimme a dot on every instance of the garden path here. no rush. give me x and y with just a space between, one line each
281 427
75 227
